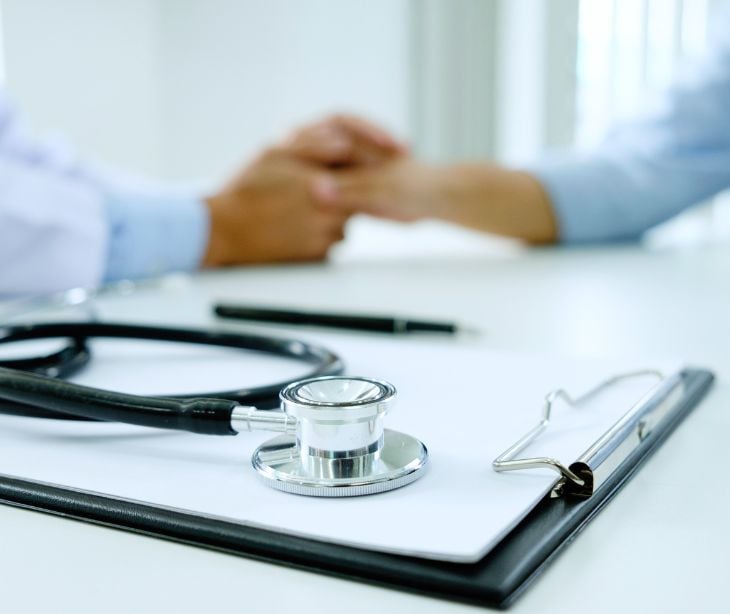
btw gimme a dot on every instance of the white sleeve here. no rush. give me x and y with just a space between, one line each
53 230
66 223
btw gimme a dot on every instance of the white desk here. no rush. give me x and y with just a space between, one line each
663 545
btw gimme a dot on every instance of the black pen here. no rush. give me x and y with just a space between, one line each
380 324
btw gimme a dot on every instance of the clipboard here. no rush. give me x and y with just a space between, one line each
494 581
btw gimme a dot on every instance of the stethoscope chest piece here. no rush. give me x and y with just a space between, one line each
340 448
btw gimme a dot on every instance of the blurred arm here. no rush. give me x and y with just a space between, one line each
648 170
64 223
645 173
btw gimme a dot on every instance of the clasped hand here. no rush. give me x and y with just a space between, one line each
292 203
279 207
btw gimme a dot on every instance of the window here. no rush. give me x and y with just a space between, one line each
628 49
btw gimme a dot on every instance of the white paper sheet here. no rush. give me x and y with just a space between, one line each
465 402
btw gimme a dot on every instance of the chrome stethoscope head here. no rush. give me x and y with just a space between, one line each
336 445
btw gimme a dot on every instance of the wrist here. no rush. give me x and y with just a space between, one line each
460 191
443 192
502 201
219 250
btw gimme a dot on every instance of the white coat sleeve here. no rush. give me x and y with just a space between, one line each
53 230
66 223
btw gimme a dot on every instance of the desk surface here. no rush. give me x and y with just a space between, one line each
663 545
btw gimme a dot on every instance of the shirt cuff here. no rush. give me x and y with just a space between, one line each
587 199
154 234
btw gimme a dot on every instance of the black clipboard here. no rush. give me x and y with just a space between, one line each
494 581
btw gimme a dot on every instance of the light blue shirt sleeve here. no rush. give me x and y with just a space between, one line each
151 234
651 169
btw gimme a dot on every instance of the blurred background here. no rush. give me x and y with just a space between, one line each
187 90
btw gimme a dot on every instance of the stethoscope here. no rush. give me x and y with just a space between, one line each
333 442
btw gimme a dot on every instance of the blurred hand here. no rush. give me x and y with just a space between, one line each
367 171
481 196
342 141
268 214
271 213
400 188
371 170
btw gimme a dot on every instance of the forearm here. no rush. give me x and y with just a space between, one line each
496 200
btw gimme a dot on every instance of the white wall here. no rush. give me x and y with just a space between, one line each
238 74
187 89
87 69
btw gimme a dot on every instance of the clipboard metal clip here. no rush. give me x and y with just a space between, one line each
590 470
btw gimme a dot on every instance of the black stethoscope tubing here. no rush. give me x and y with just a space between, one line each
34 386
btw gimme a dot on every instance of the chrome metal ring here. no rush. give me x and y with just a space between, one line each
340 448
342 454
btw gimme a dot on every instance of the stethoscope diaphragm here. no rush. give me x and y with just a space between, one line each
339 448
